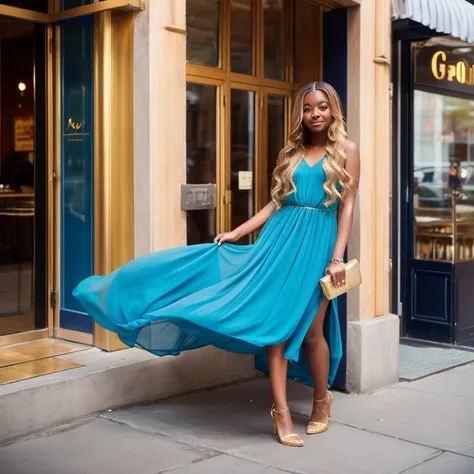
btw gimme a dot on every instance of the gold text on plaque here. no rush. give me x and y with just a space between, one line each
461 71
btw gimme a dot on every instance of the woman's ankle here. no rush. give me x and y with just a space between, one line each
281 408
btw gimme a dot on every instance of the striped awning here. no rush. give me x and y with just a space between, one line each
453 17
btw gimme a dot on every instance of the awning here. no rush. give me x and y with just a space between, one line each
453 17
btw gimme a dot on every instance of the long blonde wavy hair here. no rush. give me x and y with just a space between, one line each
300 137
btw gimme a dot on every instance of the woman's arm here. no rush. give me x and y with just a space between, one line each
346 213
257 221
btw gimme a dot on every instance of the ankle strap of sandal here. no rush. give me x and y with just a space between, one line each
322 400
278 412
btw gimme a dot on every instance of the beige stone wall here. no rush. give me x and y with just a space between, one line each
369 125
160 126
372 333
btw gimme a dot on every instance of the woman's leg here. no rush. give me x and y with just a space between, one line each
278 366
317 353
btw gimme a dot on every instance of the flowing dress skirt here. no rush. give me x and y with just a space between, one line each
240 298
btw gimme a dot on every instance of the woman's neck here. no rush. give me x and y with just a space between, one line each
318 140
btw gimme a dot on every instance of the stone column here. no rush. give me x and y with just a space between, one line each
372 333
160 125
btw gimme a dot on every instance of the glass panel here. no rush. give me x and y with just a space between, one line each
275 132
67 4
202 26
201 156
443 170
274 17
242 157
306 23
241 36
77 169
17 109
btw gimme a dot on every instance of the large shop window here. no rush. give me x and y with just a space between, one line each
443 154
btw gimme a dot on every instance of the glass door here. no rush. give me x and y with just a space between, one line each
22 155
275 118
47 96
242 157
202 155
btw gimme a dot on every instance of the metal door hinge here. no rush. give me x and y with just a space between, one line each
400 308
53 299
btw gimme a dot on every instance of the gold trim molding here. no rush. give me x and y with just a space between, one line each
74 336
113 174
57 16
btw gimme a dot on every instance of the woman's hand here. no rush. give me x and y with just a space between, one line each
227 237
338 274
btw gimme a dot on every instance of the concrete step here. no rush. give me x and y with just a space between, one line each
112 380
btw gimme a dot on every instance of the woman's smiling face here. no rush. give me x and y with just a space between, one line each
317 115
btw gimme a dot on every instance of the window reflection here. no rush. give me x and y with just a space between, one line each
443 181
202 29
241 36
66 4
242 157
274 17
275 132
201 127
35 5
17 165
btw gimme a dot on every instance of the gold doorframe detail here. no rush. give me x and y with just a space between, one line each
57 16
23 14
113 150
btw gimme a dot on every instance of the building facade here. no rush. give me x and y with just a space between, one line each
162 126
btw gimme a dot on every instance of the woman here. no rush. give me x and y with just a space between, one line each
263 299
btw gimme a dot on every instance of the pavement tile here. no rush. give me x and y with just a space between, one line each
445 463
433 420
228 465
457 383
97 446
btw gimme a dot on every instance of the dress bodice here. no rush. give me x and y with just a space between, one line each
309 181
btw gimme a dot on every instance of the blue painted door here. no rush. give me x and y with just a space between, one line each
77 169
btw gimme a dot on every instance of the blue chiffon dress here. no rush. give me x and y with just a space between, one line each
240 298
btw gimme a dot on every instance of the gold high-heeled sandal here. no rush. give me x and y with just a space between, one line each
292 440
316 427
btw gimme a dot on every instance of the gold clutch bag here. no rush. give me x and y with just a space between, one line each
353 279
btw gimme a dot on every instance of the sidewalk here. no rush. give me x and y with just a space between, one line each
423 427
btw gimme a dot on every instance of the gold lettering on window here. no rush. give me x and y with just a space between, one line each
461 71
438 68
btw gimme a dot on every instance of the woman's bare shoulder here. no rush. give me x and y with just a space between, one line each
350 146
